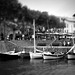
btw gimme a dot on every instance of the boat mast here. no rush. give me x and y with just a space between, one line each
34 35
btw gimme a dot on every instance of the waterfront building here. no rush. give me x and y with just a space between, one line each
69 25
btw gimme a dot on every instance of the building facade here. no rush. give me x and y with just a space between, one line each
70 25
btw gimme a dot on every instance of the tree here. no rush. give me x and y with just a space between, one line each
9 8
54 22
34 15
42 19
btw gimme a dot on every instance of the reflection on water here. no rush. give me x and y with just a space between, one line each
37 67
71 62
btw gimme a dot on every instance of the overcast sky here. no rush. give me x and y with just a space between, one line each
64 8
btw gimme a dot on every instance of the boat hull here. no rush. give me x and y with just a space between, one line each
35 55
52 56
25 55
8 56
71 56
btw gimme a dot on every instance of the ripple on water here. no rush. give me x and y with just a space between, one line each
37 67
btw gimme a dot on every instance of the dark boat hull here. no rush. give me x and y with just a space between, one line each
25 55
8 56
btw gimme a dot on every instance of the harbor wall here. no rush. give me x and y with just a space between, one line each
9 46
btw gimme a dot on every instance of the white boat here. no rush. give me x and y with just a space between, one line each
12 53
71 53
49 55
35 54
71 56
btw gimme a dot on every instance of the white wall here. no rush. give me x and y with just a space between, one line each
70 26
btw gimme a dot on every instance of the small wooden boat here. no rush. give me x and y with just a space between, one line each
9 55
24 55
49 55
35 54
71 53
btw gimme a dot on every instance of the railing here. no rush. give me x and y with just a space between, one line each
43 47
47 46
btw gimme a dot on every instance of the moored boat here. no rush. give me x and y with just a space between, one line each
71 53
71 56
9 55
24 55
35 54
49 55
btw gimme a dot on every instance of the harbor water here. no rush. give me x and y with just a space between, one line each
37 67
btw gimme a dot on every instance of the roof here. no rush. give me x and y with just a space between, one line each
70 19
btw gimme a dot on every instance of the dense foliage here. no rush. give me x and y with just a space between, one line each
11 9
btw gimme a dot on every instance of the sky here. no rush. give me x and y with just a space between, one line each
63 8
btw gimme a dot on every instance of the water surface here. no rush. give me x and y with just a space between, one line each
37 67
